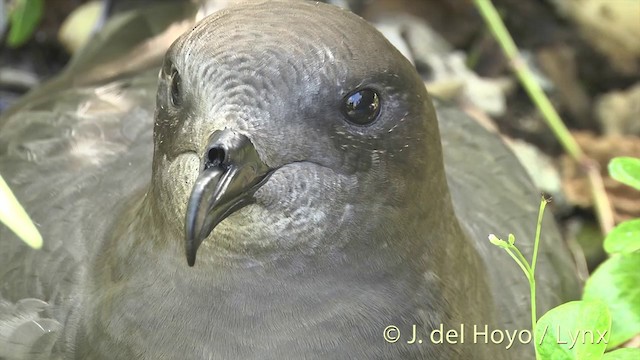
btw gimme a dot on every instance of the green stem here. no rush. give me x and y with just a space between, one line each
497 27
527 269
536 243
526 263
523 265
551 117
534 315
529 273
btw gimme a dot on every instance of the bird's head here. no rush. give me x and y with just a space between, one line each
279 123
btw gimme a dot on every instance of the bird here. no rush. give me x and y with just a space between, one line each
289 191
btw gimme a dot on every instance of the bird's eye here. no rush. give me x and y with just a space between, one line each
361 107
176 88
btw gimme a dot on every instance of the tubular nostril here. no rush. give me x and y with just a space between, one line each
215 157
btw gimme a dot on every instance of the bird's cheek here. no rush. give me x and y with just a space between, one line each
178 177
302 185
274 193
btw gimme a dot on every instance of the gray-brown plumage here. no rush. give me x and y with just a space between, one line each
297 153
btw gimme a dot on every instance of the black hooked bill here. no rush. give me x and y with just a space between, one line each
232 172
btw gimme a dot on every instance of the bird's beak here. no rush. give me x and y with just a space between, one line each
231 173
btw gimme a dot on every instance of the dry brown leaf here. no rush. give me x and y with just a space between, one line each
624 199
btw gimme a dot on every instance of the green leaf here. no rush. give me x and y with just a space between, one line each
623 354
24 17
577 330
616 283
13 215
626 170
624 238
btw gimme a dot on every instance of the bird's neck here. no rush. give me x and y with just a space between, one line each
371 282
447 256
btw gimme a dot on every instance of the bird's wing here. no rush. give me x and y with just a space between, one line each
493 194
71 160
72 150
24 333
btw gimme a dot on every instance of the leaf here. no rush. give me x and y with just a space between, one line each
624 238
24 17
623 354
626 170
573 331
13 215
615 282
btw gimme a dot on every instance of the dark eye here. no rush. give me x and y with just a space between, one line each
361 107
176 88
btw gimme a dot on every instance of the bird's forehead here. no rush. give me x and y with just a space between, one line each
282 34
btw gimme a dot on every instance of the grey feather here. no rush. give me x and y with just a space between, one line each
353 230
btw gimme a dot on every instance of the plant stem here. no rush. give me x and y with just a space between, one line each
536 243
534 315
529 83
529 270
602 204
525 269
